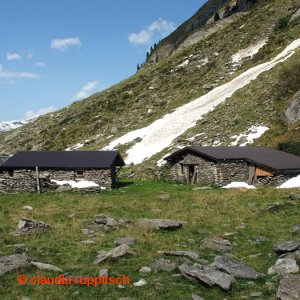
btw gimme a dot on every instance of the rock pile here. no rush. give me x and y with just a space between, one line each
104 223
29 226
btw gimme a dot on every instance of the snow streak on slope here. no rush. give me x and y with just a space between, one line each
162 132
9 125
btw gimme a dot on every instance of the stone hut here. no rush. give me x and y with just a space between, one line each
223 165
27 170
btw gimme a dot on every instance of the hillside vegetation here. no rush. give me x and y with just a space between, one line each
253 221
162 87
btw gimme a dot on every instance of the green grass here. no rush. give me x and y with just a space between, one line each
207 213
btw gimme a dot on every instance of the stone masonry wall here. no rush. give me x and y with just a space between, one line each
274 181
22 181
204 168
208 172
25 180
230 171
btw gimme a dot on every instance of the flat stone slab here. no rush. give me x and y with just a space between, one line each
184 253
160 224
209 276
29 226
287 246
44 266
105 223
13 262
217 244
289 288
112 254
163 265
284 266
296 228
125 240
235 267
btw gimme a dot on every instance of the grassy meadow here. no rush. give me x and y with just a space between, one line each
215 212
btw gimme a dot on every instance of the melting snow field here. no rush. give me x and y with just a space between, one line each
252 134
77 184
238 185
248 52
291 183
160 134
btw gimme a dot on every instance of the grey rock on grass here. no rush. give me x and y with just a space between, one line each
284 266
112 254
160 224
163 265
209 276
29 226
235 267
13 262
216 244
289 288
287 246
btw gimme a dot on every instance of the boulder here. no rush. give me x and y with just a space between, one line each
160 224
47 267
216 244
163 265
287 246
145 270
292 113
289 288
13 262
141 282
104 223
209 276
164 196
296 229
235 267
112 254
284 266
185 253
125 240
29 226
295 15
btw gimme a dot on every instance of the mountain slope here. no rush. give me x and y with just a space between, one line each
161 88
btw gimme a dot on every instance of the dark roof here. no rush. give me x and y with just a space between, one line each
266 157
64 160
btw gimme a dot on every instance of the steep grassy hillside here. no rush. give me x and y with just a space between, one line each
253 221
159 89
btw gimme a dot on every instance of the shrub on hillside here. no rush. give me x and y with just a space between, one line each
290 147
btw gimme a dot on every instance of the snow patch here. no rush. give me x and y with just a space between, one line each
238 185
185 63
251 134
77 146
161 133
291 183
78 184
248 52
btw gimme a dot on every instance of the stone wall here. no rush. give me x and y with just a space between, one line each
22 181
25 180
205 169
274 181
229 171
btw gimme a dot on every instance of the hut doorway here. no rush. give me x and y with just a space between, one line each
191 174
